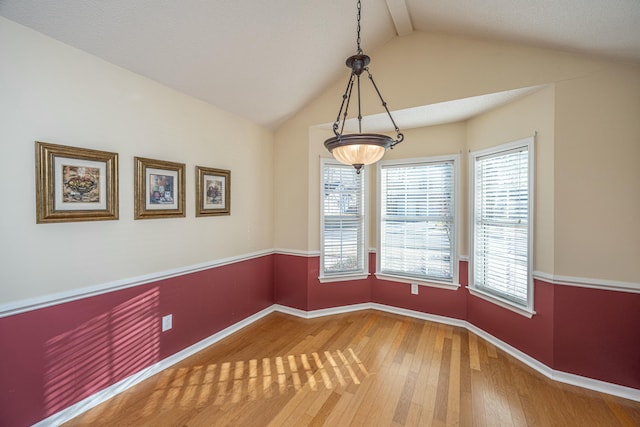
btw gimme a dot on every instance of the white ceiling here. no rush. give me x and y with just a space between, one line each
264 60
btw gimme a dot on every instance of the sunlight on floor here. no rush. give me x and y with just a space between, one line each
233 382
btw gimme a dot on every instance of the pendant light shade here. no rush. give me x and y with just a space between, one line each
359 149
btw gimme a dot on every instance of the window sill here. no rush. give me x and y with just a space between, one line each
421 282
528 313
343 278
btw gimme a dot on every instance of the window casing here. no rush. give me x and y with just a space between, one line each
501 225
417 227
343 254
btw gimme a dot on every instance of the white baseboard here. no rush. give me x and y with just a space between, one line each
321 312
560 376
106 394
564 377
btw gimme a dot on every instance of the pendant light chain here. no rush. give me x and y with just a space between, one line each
359 149
358 39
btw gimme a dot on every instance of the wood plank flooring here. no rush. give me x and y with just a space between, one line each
367 368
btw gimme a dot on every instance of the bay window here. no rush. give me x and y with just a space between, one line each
343 252
417 221
501 224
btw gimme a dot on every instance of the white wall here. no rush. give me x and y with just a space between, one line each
54 93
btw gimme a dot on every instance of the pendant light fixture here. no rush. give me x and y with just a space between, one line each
359 149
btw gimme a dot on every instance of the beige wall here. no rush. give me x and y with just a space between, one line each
597 170
51 92
587 207
317 136
522 118
427 68
291 189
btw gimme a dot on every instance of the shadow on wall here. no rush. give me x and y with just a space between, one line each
101 351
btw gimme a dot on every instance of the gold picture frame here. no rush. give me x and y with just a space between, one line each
213 191
159 189
75 184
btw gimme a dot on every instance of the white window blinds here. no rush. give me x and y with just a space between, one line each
502 223
343 220
417 220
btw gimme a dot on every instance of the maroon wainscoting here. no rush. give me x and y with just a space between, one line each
442 302
291 272
56 356
430 300
206 302
597 334
532 336
335 294
53 357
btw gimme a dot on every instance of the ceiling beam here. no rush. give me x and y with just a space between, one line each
400 15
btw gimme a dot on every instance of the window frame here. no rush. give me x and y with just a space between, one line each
485 293
423 281
364 223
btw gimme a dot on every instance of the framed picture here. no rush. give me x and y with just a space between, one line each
75 184
159 189
213 191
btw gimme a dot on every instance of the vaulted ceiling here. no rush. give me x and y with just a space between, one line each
264 60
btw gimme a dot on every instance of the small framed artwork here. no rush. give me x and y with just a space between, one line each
213 191
159 189
75 184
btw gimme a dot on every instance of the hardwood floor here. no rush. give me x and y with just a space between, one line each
359 369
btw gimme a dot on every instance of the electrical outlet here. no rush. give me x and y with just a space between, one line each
414 289
167 322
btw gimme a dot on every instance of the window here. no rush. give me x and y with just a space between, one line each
501 226
418 221
343 243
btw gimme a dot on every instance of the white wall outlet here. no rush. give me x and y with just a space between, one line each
167 322
414 289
